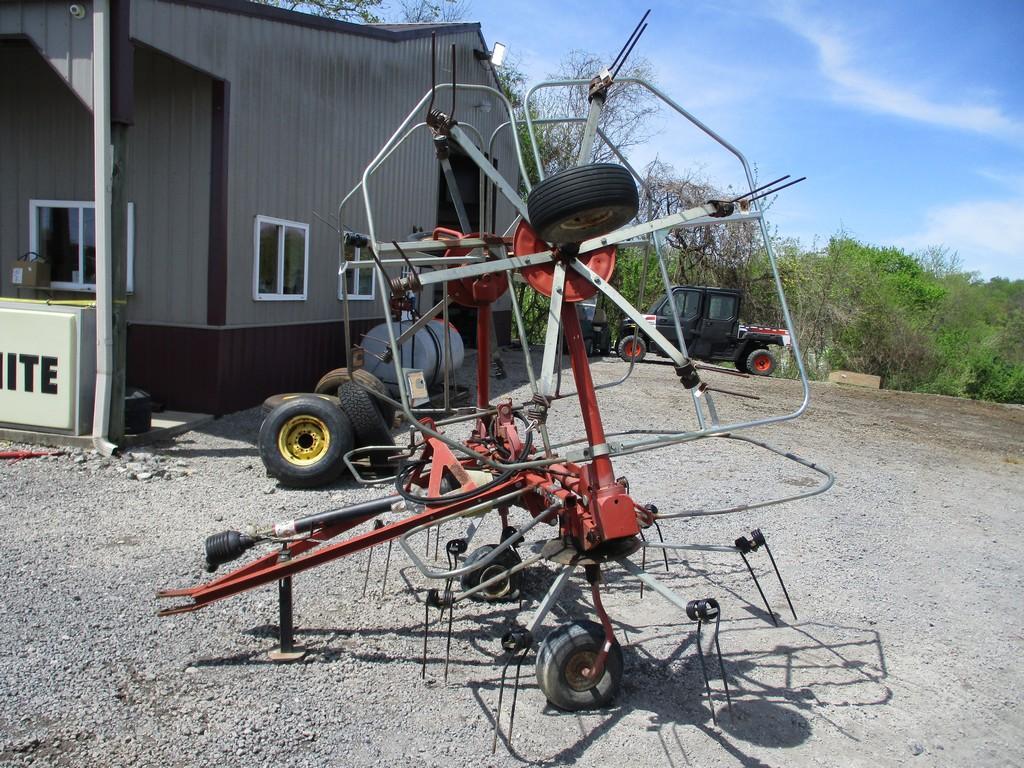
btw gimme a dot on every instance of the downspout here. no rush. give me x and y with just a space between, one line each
102 183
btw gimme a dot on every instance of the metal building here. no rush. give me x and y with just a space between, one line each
244 121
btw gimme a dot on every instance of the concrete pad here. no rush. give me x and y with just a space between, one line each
165 425
856 379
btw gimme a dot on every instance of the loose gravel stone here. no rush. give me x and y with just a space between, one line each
906 578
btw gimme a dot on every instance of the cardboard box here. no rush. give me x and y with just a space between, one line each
31 274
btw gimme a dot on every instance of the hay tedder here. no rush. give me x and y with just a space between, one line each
563 243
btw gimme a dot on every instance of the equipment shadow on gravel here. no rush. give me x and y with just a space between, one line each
776 694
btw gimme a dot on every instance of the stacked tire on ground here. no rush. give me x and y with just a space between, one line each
305 435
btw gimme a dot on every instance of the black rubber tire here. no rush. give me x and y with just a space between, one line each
583 202
503 590
303 440
741 364
331 380
761 362
275 400
560 657
637 352
367 423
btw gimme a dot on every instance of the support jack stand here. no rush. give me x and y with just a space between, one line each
287 650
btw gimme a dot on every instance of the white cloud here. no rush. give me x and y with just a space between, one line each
854 85
987 234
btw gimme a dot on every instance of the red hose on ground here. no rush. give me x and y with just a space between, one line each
19 455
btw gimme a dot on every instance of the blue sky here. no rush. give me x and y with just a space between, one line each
907 118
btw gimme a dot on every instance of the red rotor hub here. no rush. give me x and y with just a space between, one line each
479 291
541 277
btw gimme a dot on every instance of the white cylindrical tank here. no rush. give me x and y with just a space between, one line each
425 352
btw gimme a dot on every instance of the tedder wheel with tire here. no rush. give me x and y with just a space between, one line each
632 348
761 362
303 440
583 202
333 379
275 400
564 662
367 423
505 589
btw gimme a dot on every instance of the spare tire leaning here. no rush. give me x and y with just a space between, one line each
367 423
333 379
303 442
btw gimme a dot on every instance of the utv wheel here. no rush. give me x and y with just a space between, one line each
761 362
583 202
367 423
505 589
303 440
632 348
331 380
275 400
565 657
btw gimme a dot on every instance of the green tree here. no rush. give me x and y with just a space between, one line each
343 10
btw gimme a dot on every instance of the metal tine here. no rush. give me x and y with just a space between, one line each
663 551
779 576
387 565
777 189
758 189
757 584
629 40
501 696
433 71
632 45
515 695
703 669
426 552
448 603
448 646
643 562
426 625
366 578
452 115
721 662
377 525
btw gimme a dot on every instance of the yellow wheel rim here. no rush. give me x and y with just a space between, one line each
303 440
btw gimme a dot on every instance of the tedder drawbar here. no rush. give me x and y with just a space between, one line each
563 243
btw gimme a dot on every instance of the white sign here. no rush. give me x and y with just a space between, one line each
38 368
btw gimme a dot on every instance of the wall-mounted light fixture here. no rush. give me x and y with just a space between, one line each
496 55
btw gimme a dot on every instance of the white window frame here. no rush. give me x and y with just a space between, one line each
356 296
281 223
33 239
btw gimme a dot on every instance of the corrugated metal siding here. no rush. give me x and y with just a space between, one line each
309 109
45 147
66 42
169 181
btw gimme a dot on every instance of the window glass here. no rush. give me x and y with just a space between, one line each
294 261
687 305
281 253
63 233
268 257
89 245
58 242
358 282
721 307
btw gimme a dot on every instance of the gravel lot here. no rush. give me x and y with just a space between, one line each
906 578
